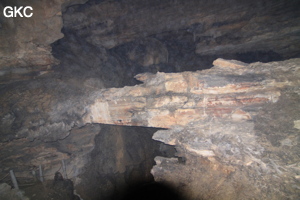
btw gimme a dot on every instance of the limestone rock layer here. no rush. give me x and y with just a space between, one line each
226 91
234 127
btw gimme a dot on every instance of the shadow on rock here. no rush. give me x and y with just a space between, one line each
151 191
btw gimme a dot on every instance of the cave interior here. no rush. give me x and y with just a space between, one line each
55 63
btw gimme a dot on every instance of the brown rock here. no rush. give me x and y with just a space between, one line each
233 64
160 118
175 83
240 115
25 42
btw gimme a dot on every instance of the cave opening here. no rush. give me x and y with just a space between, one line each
123 157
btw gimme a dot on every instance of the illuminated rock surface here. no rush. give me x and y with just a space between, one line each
233 127
92 82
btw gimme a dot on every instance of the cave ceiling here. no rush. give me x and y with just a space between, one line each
193 30
225 27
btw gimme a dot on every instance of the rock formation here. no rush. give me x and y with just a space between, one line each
234 125
25 49
25 42
223 126
115 22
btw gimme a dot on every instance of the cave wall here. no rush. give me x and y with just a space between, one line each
234 127
25 43
197 32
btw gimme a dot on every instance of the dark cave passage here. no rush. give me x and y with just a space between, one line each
123 156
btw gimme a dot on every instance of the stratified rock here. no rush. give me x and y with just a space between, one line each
227 90
243 30
234 127
216 28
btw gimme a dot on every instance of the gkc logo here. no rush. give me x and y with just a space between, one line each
15 11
